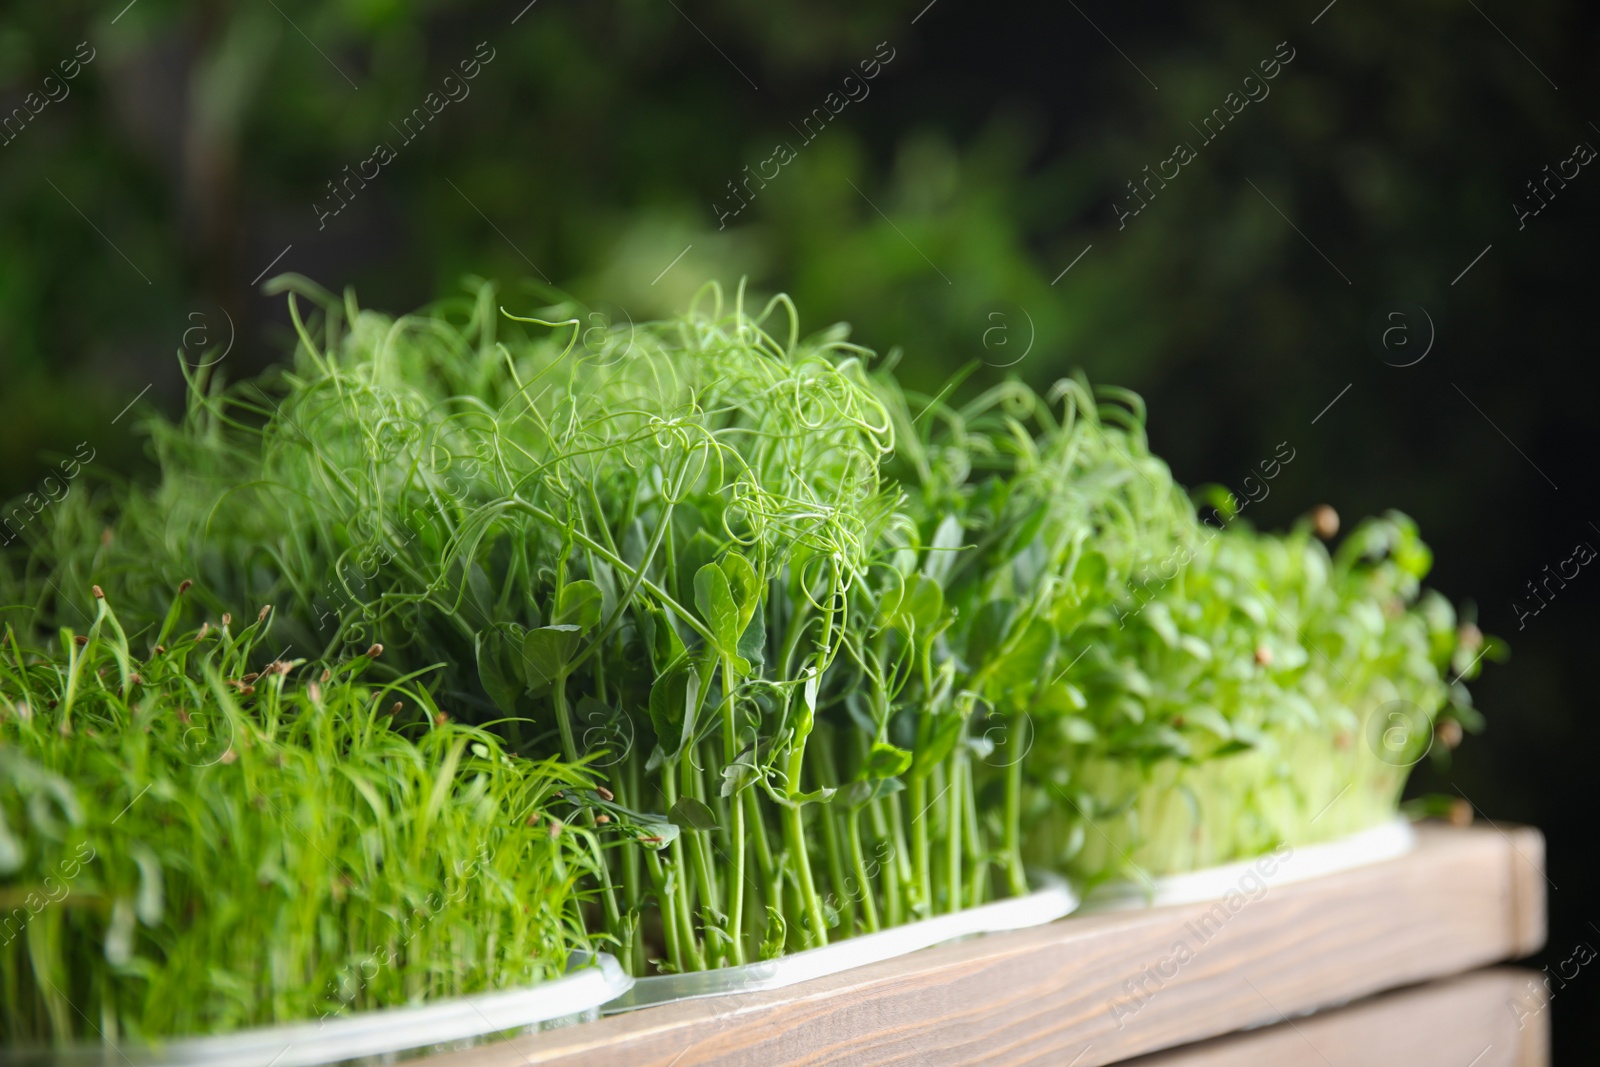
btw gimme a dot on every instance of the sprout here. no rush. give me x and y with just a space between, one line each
844 656
185 840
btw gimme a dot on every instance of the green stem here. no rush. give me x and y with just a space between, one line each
977 854
901 856
892 895
758 832
922 902
830 842
830 834
627 791
730 750
957 794
608 891
569 747
669 915
1013 823
794 834
811 905
693 959
869 904
700 851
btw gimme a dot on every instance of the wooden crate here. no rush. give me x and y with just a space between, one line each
1464 1021
1100 989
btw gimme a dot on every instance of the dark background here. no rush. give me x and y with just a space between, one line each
135 213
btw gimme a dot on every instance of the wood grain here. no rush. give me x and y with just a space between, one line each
1098 989
1466 1021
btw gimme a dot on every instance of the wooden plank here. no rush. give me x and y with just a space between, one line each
1097 989
1475 1020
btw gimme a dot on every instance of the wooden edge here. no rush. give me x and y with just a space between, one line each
1528 881
1097 989
1474 1020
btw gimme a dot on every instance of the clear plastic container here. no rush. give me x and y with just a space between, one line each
1046 904
1288 864
373 1036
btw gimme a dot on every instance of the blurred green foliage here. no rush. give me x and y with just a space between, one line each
593 149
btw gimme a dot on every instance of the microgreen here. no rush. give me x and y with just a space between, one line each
837 657
1193 694
195 841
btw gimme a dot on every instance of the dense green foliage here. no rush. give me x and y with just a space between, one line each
194 840
1175 693
806 655
1265 693
665 547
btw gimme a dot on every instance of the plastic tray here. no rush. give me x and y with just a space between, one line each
1383 842
1046 904
370 1036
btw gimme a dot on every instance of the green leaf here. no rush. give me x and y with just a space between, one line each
939 735
889 601
673 698
736 777
479 593
885 761
1078 730
1129 708
777 934
1029 564
666 647
691 814
1253 608
753 642
859 793
807 714
943 549
886 787
1161 742
988 629
1023 665
744 584
698 551
634 542
664 832
1158 617
1090 572
1127 678
925 606
740 772
151 898
1209 718
1062 698
119 933
816 796
546 653
579 605
11 851
714 599
500 664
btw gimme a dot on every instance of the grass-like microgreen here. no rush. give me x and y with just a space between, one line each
193 840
